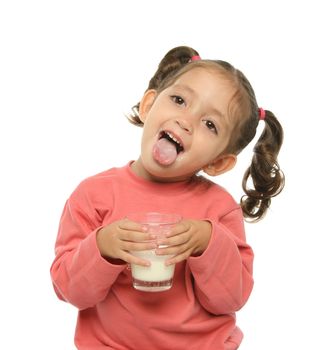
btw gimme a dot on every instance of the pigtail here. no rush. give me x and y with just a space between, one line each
169 65
264 171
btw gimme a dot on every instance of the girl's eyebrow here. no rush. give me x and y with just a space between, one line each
185 87
218 113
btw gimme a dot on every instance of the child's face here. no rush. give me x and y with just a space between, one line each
194 111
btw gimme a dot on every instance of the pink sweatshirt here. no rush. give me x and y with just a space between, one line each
198 312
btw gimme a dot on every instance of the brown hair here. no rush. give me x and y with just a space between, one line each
267 180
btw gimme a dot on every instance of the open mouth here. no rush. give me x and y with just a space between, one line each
171 138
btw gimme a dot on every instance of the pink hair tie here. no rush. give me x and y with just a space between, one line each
195 58
262 114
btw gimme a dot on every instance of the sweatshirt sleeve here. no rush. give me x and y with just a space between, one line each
79 274
223 273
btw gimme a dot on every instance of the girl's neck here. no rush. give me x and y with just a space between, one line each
139 170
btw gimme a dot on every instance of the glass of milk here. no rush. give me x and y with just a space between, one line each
157 277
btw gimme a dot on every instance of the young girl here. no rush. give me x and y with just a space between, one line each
196 115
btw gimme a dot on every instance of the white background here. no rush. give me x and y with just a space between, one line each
69 70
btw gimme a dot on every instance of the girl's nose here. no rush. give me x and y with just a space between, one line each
185 125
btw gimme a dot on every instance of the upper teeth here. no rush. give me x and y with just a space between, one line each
172 137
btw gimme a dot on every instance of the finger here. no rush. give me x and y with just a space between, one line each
132 259
134 231
173 250
129 225
178 258
138 246
178 229
134 236
176 240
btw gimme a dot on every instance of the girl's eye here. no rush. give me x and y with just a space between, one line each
177 99
210 125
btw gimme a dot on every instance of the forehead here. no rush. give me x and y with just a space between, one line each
208 85
203 78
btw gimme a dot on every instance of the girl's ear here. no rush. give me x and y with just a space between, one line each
146 103
221 165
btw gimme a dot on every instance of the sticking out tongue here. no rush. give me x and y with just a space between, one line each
164 152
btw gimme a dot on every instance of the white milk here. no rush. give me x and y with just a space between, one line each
156 272
156 277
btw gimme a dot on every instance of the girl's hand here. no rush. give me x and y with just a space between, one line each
116 240
187 238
